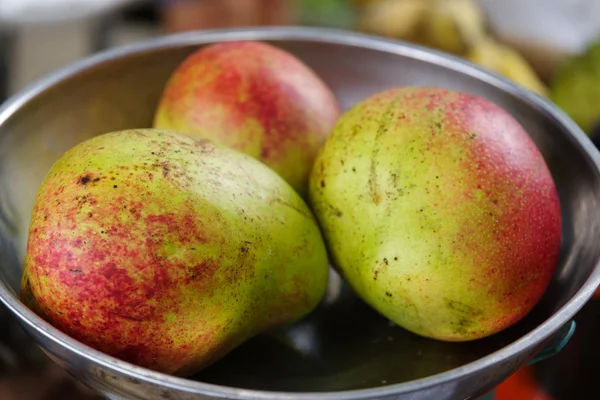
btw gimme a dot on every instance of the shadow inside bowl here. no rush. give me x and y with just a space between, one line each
344 345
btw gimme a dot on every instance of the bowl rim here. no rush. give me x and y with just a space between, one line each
525 343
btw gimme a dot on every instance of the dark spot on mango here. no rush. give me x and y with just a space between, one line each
115 186
388 294
84 180
335 211
463 308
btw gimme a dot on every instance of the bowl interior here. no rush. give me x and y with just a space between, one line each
344 344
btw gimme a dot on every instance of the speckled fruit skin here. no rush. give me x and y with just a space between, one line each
439 210
255 98
168 251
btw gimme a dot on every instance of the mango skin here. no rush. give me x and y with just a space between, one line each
255 98
167 251
439 210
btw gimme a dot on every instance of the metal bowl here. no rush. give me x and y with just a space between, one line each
344 350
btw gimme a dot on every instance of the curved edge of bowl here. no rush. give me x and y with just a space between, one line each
526 343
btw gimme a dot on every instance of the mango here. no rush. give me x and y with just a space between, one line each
255 98
439 210
169 251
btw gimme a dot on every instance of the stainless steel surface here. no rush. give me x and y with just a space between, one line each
6 47
344 350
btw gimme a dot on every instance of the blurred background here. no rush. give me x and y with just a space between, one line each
549 46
